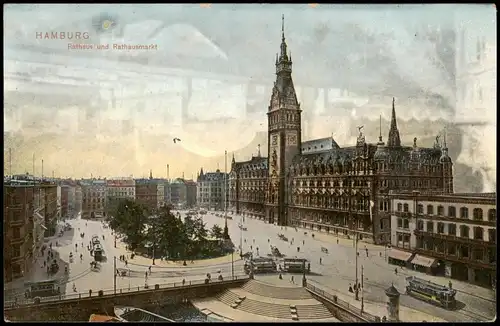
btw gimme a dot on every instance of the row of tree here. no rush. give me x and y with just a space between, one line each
165 233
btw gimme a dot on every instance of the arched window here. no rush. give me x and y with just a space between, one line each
477 214
452 211
400 207
405 208
464 212
478 233
492 215
464 231
420 209
430 210
440 210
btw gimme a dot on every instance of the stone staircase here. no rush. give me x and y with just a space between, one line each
272 310
266 290
227 297
317 311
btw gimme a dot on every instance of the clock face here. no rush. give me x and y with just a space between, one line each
275 140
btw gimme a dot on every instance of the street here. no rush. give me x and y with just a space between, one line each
337 270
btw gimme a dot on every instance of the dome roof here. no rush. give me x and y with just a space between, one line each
380 153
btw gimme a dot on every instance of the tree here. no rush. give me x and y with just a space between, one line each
169 234
130 219
217 232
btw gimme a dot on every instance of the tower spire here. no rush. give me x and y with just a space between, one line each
393 140
380 141
283 55
283 28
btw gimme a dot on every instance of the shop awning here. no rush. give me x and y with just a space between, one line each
400 255
423 261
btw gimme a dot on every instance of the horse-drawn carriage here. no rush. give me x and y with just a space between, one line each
275 252
325 250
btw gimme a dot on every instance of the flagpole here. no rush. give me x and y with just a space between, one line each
226 231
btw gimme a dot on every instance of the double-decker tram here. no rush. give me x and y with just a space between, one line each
431 292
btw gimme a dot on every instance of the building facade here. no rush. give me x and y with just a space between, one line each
183 193
117 190
145 193
191 187
453 235
93 198
210 190
65 190
29 205
18 225
319 185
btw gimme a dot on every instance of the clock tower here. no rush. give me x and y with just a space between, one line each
284 136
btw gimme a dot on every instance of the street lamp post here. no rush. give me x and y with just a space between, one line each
356 253
114 273
232 263
362 290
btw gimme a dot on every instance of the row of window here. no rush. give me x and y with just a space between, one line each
253 175
459 250
477 213
464 230
93 200
331 183
360 203
413 184
406 167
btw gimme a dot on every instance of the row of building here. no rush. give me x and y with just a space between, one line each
384 192
33 206
101 196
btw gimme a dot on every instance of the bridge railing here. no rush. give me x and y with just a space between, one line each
344 304
81 295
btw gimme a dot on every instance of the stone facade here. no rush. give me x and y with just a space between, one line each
318 184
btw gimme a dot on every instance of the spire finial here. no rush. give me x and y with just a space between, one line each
283 27
444 138
258 154
380 129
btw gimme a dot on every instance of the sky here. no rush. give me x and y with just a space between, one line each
69 107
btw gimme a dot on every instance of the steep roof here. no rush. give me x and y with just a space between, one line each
256 163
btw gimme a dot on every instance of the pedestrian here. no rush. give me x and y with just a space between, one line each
126 263
253 240
150 270
396 271
380 254
355 287
367 252
303 242
320 260
251 247
450 285
337 241
292 280
350 288
146 275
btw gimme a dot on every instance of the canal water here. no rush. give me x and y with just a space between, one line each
184 312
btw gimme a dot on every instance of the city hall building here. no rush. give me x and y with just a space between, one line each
320 185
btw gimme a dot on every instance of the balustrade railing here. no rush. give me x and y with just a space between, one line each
153 287
344 304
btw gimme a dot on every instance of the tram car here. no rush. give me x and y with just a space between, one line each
431 292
